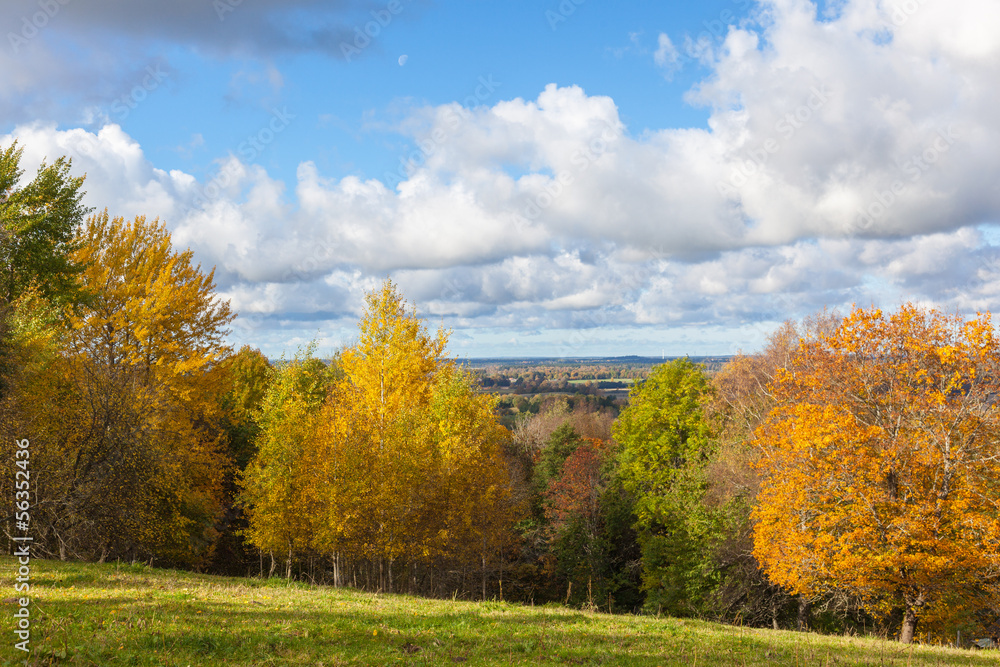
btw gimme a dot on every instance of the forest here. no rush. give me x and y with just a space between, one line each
841 479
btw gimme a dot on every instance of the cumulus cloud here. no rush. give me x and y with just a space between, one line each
847 159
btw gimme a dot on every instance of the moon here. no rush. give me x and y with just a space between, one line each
402 59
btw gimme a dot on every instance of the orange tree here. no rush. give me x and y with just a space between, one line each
879 468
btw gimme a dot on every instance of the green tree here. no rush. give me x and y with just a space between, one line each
247 377
666 444
38 225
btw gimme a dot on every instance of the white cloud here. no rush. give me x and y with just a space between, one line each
846 160
667 56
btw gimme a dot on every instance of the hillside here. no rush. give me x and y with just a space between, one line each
116 614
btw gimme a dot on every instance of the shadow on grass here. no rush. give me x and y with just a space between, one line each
179 618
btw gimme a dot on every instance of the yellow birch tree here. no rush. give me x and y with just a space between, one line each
407 457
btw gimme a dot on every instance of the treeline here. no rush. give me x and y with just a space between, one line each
843 478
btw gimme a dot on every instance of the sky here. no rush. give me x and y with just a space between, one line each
558 178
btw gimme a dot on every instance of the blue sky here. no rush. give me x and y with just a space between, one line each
545 178
345 107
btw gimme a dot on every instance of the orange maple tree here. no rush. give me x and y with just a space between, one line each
576 493
879 467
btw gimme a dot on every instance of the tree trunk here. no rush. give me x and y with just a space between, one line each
804 610
274 566
909 625
500 565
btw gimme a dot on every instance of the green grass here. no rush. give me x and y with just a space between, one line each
85 614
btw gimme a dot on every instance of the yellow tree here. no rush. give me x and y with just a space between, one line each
469 506
377 414
274 482
407 456
144 462
879 466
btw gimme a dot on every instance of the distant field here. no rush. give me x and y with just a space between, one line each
624 380
85 614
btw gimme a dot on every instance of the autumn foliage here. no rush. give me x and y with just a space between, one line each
399 461
879 467
118 395
844 475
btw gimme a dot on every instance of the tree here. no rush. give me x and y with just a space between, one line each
375 439
469 503
38 225
879 466
249 375
275 481
127 419
573 510
742 398
666 442
401 462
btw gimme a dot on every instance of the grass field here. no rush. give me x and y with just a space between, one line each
85 614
